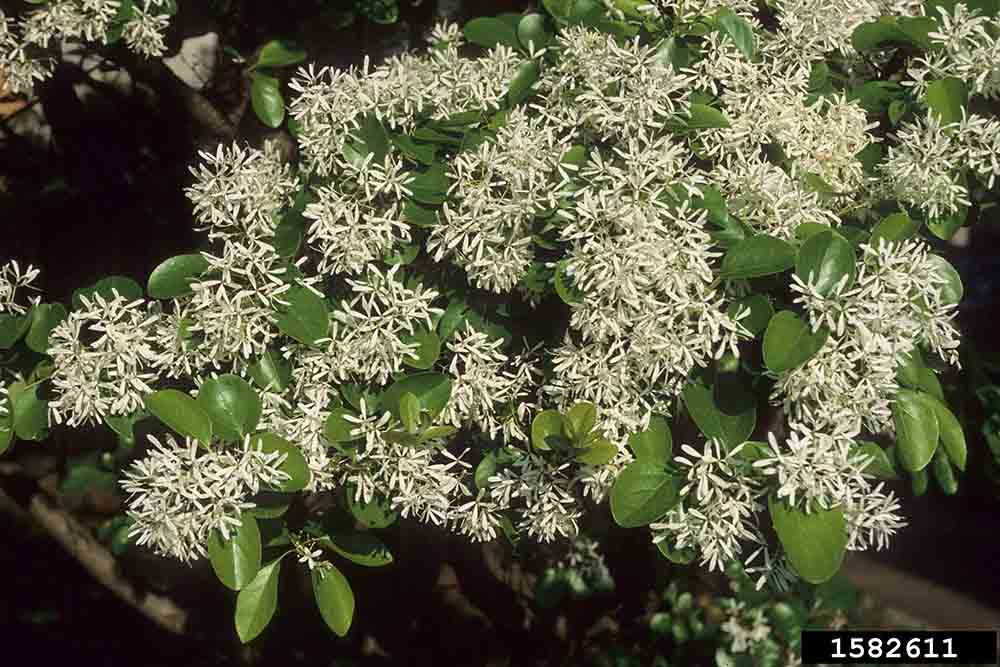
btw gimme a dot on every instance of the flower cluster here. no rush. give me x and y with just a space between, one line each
12 279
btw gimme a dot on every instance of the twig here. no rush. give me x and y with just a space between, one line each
76 539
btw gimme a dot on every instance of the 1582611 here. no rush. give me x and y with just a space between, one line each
852 647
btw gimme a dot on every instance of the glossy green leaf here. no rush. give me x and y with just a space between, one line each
951 288
338 428
125 287
12 327
738 29
6 424
679 556
702 116
600 452
305 318
29 413
361 547
881 465
893 228
814 543
531 31
564 285
950 432
825 260
280 53
271 372
294 465
946 98
917 429
730 430
181 413
944 475
919 479
944 227
44 318
334 598
257 602
172 278
488 32
376 514
760 314
232 404
236 561
429 186
546 429
642 493
757 256
266 100
580 420
486 469
789 342
409 412
433 390
427 352
523 82
655 444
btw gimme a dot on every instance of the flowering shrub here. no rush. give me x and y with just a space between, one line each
503 274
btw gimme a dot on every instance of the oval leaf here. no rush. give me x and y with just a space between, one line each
760 255
236 561
951 289
181 413
642 493
172 278
266 99
488 32
655 444
789 342
257 601
280 53
334 598
428 349
305 318
337 428
294 465
892 228
127 288
271 372
824 260
361 547
601 452
524 82
946 98
950 432
730 430
433 391
44 318
376 514
546 429
917 430
760 308
232 404
814 543
580 420
881 465
531 32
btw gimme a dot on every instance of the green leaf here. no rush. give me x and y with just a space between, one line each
127 288
761 312
44 318
881 465
674 52
531 31
488 32
181 413
433 390
580 421
824 260
337 428
950 432
409 412
419 216
730 430
294 465
523 82
889 30
679 556
236 561
305 318
738 29
376 514
946 98
919 480
893 228
232 404
172 278
601 452
257 601
6 425
486 469
702 116
945 227
424 154
559 9
655 444
430 186
642 493
814 543
564 285
944 475
428 349
361 547
876 97
334 598
12 327
897 109
917 429
280 53
789 342
266 100
546 430
951 289
271 372
760 255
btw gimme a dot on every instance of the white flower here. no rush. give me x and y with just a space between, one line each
12 279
